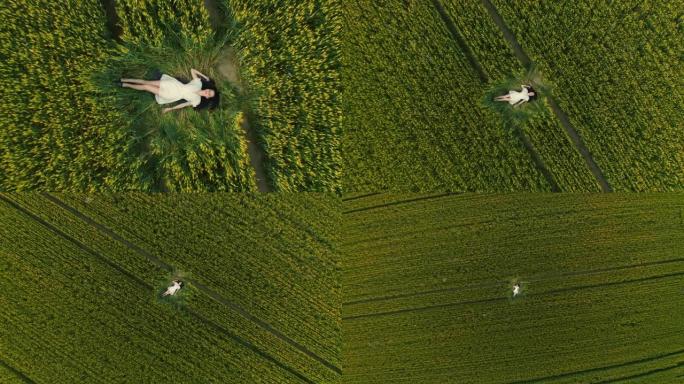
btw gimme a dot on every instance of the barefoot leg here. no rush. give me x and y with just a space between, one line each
134 81
143 87
140 81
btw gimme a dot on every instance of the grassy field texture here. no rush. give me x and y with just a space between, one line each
81 293
428 283
67 126
57 131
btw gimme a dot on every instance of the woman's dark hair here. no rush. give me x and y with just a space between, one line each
536 94
210 103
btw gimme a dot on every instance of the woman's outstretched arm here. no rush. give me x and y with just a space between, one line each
179 106
194 73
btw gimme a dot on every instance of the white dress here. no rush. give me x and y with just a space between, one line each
172 90
172 289
516 96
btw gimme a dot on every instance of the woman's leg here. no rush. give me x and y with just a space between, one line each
141 81
143 87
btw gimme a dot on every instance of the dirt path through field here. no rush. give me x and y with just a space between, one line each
228 66
214 13
112 18
200 287
560 114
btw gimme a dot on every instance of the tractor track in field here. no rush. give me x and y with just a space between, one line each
460 41
437 196
200 286
17 372
560 114
495 299
606 367
362 196
256 156
500 282
233 336
484 79
643 374
112 17
228 66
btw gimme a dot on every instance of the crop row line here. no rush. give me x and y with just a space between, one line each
17 372
527 143
552 292
398 203
560 114
139 281
201 287
531 279
603 368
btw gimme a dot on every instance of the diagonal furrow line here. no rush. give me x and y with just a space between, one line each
421 309
74 241
345 199
548 293
643 374
589 370
536 158
560 114
526 142
498 282
145 285
203 288
17 372
398 203
458 38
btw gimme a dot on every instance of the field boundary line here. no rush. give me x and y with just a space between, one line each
470 56
203 288
559 376
560 114
21 375
530 279
399 202
547 293
139 281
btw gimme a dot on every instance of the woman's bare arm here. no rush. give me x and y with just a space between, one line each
196 73
179 106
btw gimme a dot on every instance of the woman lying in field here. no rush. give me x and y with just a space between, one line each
516 98
199 93
175 286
